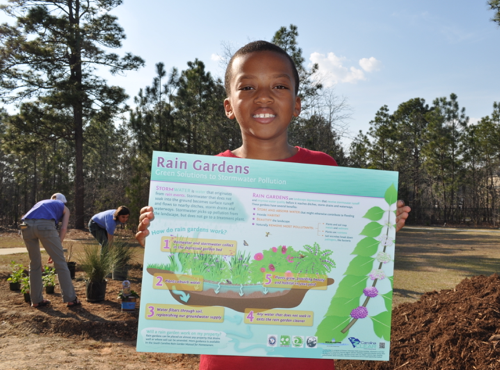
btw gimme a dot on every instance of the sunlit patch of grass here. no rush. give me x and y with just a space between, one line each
436 259
11 240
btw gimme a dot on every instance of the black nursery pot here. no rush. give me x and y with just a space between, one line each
49 289
72 269
14 286
95 291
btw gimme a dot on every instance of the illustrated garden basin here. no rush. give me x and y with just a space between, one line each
229 295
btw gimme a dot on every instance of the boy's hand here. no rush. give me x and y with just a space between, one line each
401 214
145 217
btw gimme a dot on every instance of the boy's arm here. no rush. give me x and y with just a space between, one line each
401 214
145 217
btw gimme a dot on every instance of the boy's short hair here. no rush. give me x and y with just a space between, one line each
254 47
120 211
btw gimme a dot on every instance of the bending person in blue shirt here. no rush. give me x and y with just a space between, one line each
40 225
102 225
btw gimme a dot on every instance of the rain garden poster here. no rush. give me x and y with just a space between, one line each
263 258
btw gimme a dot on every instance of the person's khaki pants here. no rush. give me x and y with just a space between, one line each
44 231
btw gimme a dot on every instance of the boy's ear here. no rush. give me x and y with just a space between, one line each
297 107
228 108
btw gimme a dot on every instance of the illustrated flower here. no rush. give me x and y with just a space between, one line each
275 249
288 274
359 312
386 241
283 249
271 267
263 269
370 292
258 256
377 274
383 257
289 258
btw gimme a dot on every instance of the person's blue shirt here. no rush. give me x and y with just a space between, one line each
48 209
105 220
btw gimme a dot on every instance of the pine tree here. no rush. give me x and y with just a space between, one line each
52 52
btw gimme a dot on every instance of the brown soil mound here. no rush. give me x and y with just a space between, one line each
455 329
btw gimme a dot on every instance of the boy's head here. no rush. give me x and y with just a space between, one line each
255 47
262 85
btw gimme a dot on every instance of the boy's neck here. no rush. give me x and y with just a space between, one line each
265 151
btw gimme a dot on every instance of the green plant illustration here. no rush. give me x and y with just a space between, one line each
315 261
275 259
361 277
239 266
242 268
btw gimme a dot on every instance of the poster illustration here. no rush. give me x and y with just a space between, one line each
264 258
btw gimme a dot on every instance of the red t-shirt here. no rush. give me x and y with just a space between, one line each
218 362
302 156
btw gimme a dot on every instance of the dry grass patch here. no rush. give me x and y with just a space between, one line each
429 259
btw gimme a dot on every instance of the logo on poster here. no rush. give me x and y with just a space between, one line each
297 341
312 342
272 340
356 343
285 341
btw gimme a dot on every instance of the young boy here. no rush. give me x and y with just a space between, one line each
262 84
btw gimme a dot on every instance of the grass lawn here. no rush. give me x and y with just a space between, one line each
427 259
430 259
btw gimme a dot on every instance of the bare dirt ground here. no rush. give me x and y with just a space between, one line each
92 336
454 328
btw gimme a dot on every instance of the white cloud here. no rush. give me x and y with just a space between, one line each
474 121
370 64
215 57
334 69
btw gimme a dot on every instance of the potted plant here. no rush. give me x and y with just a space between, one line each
121 254
16 275
129 301
96 266
25 288
49 279
71 264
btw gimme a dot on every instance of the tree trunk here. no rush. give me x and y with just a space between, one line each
79 185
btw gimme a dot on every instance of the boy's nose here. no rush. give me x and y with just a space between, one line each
264 96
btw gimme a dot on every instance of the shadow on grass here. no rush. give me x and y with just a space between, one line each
468 252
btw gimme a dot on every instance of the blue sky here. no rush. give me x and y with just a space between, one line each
374 53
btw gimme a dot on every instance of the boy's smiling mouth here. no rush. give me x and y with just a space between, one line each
264 118
264 115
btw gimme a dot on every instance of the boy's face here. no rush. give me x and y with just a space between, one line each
262 97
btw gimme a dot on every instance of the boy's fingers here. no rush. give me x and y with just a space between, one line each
146 209
401 214
141 237
142 229
146 216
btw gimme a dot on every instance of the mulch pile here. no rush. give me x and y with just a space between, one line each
457 329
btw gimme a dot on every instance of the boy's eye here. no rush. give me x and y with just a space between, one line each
244 88
281 87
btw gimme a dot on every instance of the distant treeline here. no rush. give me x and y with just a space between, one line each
73 134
